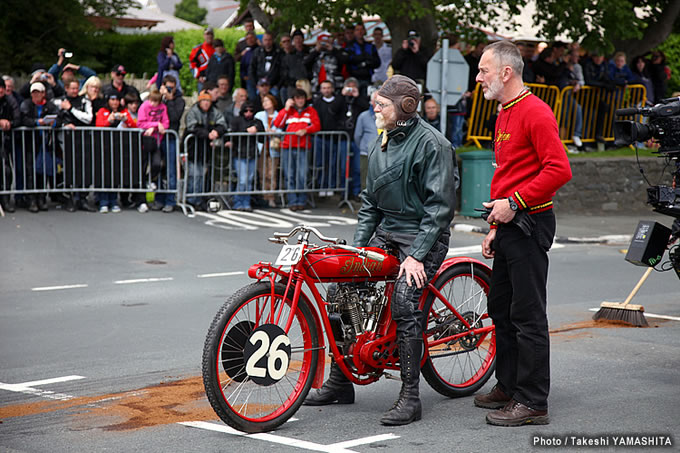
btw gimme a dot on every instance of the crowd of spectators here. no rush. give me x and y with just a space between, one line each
285 87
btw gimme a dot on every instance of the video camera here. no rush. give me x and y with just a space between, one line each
663 125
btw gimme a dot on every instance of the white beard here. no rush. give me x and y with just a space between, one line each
379 121
493 91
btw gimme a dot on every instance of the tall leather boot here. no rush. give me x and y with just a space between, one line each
337 389
407 409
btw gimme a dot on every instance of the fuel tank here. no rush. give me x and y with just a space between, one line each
335 263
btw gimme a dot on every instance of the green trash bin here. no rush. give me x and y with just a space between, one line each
477 171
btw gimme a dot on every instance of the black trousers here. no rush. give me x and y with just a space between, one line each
517 305
405 298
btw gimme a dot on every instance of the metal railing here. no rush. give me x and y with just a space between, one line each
237 166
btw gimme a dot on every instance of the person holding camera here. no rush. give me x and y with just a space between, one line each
326 62
410 60
118 85
362 58
40 75
69 70
168 61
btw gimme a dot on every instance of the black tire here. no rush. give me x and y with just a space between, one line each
239 401
462 366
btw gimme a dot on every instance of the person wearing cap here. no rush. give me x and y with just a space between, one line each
37 111
266 63
410 60
221 64
325 62
408 206
299 120
207 124
263 89
199 57
118 85
39 74
244 152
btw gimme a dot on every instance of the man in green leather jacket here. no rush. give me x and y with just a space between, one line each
407 206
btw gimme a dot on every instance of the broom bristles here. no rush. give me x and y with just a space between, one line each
632 316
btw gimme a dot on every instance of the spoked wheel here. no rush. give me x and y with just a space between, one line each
255 374
461 344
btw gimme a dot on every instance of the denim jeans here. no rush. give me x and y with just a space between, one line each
169 149
195 178
108 199
245 170
456 130
330 157
568 108
294 167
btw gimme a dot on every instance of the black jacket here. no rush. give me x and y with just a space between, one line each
30 113
597 75
245 147
550 72
221 66
80 113
413 65
126 89
353 107
331 114
362 59
7 111
266 64
51 92
293 67
175 110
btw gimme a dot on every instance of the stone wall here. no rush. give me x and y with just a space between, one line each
612 185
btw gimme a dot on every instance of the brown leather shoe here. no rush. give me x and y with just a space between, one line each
495 399
517 414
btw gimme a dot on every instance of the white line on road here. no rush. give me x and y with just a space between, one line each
143 280
27 387
334 448
52 288
220 274
470 249
364 440
651 315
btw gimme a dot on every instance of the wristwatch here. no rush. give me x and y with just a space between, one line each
513 204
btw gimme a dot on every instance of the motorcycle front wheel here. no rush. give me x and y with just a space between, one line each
459 362
239 396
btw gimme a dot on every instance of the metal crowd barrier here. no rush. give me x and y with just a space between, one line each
239 165
597 106
44 160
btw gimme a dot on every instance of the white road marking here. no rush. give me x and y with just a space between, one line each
333 448
471 249
52 288
284 218
651 315
220 274
143 280
28 387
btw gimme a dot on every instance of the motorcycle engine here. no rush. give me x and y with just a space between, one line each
359 306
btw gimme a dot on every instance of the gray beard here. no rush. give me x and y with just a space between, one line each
379 121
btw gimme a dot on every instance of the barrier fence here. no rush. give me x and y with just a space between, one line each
281 167
111 161
590 109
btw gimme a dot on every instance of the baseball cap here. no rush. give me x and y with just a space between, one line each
413 34
263 81
37 86
112 95
119 68
38 67
209 31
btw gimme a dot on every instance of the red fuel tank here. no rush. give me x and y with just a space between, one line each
335 263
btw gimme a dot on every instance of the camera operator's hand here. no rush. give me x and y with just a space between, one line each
50 79
60 55
65 105
404 44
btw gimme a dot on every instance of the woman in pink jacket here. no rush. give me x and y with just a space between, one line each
153 118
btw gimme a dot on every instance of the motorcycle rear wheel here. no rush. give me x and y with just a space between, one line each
236 398
462 366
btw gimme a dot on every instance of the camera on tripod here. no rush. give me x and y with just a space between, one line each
664 126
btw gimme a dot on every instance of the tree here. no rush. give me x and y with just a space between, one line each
606 24
35 37
189 10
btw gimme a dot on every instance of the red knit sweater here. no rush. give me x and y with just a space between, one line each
531 160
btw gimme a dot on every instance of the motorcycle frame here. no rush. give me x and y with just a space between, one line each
386 328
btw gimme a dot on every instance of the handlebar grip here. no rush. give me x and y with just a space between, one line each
374 256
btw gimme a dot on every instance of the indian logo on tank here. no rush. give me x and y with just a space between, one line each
359 266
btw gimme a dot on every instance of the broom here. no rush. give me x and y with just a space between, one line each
630 314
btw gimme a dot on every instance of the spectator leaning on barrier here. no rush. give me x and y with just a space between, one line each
270 149
199 57
362 58
596 74
330 150
92 90
169 62
69 70
220 64
364 134
301 120
153 118
619 71
547 69
7 121
37 111
385 55
118 85
207 124
10 91
244 152
173 100
410 60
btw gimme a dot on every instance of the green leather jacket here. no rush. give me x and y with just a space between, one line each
410 186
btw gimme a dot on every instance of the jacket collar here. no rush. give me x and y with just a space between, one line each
403 129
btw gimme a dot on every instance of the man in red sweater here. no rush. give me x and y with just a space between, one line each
531 165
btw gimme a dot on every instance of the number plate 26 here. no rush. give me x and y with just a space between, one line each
267 354
290 255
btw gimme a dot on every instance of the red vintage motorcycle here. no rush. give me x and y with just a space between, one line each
265 348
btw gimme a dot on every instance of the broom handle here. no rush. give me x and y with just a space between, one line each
637 287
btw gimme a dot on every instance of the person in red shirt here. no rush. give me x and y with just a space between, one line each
302 120
531 165
200 57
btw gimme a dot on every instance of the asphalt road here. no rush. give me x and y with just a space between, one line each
103 318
